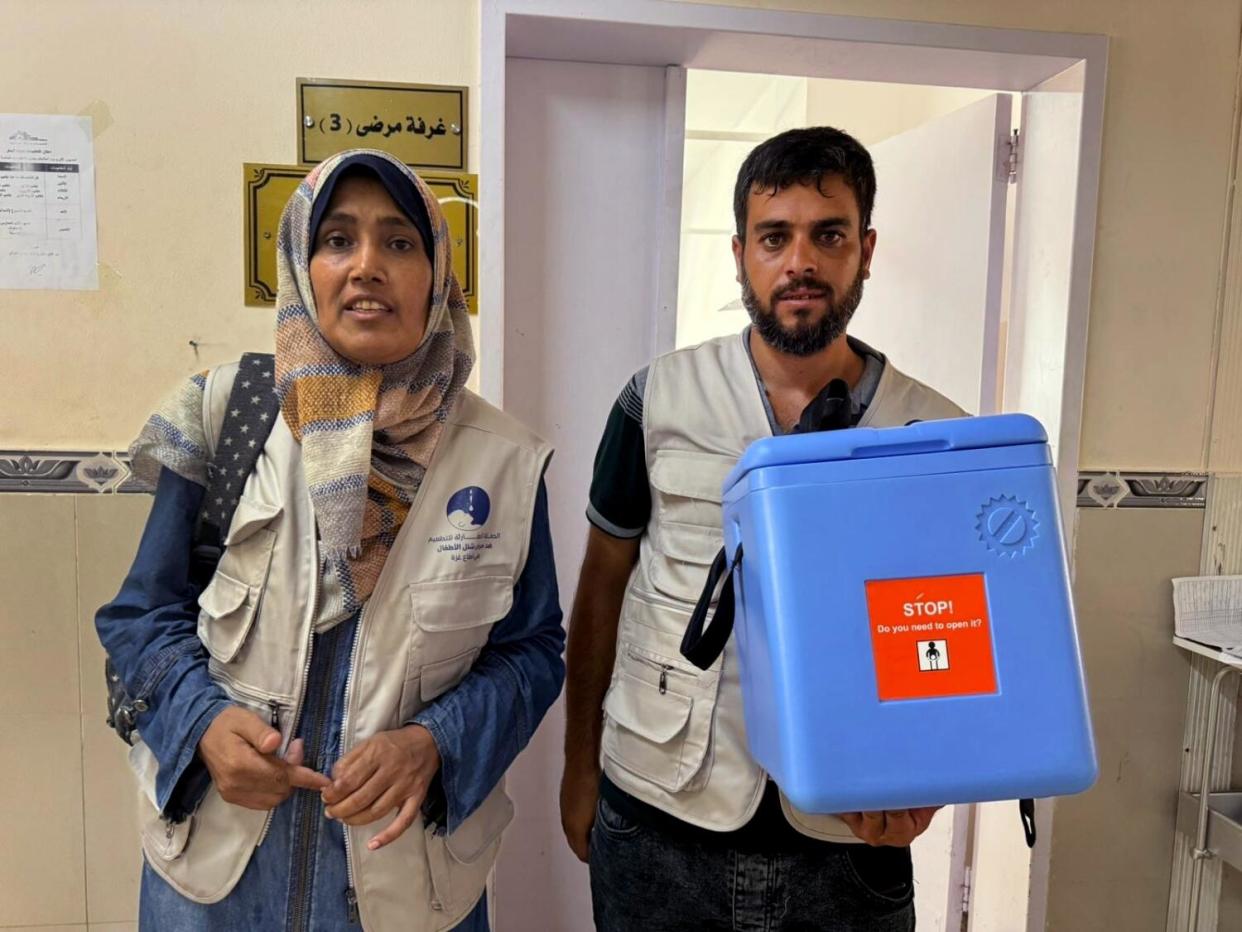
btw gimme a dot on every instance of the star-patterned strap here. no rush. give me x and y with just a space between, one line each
252 411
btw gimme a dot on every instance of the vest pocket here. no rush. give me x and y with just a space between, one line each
437 678
453 618
230 603
445 605
167 839
163 838
459 863
227 613
682 555
659 717
687 534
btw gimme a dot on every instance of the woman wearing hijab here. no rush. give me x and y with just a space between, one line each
326 723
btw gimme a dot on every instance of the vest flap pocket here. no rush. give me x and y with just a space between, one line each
690 543
250 515
248 548
691 474
475 835
167 839
437 678
654 732
228 610
451 604
682 554
659 722
460 863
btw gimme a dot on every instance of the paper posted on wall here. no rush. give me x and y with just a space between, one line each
47 202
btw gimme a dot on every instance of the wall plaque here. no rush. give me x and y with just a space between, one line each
424 125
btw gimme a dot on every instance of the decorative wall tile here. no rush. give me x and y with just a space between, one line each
58 471
1141 490
65 471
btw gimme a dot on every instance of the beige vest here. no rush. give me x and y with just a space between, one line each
441 591
674 735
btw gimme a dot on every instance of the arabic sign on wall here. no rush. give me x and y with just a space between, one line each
267 188
424 125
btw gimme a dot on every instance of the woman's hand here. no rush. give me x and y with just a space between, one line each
239 749
390 770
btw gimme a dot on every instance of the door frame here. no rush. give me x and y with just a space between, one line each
692 35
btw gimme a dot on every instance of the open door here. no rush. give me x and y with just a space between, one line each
933 306
933 302
1039 356
592 197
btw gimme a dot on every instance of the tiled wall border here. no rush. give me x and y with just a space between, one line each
67 471
107 472
1142 490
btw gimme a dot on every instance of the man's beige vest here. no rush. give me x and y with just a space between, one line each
441 591
674 735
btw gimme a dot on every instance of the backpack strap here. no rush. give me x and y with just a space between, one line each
240 408
237 425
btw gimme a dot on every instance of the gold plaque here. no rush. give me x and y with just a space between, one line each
424 125
267 188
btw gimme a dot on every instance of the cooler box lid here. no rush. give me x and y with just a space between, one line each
967 433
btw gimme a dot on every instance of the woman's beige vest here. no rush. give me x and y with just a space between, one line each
674 735
441 591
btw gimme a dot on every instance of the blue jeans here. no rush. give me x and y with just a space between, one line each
644 879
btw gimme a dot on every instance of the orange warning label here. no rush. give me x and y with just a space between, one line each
931 637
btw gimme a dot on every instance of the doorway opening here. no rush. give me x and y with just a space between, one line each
584 137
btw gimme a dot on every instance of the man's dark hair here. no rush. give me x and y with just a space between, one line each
804 156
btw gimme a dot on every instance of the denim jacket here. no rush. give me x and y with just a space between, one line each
149 631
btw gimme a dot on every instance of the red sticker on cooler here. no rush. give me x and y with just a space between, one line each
931 637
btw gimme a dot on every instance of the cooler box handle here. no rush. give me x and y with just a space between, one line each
701 647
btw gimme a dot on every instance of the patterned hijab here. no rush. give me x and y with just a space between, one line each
367 432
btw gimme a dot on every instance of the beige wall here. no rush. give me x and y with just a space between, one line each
69 854
182 92
1112 846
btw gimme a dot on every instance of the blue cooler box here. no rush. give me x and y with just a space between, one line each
905 630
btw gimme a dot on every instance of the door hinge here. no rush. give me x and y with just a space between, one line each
966 891
1012 148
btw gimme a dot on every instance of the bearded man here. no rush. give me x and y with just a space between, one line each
680 826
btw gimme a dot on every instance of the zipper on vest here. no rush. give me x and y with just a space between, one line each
297 708
301 883
346 742
664 669
351 905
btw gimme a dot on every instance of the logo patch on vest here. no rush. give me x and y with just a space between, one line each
468 510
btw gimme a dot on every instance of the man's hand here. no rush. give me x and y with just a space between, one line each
895 827
589 658
239 749
579 796
390 770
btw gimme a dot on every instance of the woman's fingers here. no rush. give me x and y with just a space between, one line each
405 818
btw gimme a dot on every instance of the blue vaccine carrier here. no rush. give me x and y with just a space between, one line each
904 625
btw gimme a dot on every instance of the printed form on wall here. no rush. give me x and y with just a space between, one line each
47 202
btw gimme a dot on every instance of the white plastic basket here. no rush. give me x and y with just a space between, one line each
1209 609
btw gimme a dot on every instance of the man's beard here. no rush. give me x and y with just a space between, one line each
803 339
